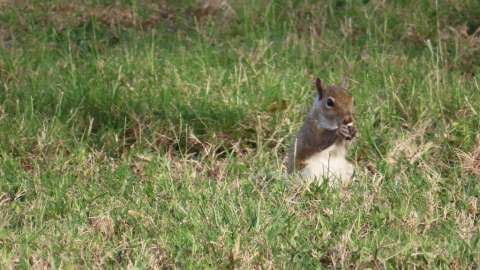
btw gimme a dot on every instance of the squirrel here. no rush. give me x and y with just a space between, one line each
320 147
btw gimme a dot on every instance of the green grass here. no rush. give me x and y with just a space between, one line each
124 144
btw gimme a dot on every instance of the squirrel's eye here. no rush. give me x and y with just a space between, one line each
330 102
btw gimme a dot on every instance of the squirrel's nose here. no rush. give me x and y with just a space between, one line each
347 119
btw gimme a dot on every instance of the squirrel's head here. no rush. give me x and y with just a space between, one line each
333 106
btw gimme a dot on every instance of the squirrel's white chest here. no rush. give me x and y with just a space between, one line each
330 163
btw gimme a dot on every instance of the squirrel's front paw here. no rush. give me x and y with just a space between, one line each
348 132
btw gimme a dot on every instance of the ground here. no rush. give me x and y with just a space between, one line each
152 134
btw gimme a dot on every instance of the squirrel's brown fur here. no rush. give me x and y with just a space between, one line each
325 125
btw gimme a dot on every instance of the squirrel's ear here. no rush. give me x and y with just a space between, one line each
320 90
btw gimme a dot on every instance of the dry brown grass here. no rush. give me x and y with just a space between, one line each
215 8
39 263
71 15
103 225
471 161
411 146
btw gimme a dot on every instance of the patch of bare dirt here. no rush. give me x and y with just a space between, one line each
6 40
467 43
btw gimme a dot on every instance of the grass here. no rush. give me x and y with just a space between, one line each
138 134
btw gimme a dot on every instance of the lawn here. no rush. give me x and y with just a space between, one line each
153 134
